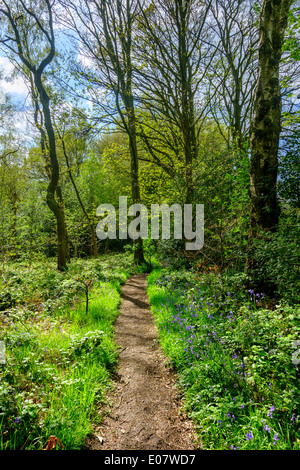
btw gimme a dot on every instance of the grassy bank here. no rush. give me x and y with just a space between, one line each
59 349
233 351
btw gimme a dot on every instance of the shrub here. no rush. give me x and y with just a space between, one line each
277 257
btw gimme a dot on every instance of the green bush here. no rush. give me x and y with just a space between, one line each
277 257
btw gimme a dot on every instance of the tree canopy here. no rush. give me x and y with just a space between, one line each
162 102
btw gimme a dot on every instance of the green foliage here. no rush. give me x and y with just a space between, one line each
233 352
277 257
58 326
58 354
171 253
289 171
291 43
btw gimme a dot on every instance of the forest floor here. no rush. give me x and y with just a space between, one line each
143 412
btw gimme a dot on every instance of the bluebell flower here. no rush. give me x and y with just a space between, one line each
270 412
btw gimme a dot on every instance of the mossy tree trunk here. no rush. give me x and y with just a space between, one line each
266 124
265 134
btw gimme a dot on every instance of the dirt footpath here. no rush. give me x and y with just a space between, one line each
144 408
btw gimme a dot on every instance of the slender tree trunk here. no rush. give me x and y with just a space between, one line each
45 146
237 108
135 186
14 223
187 99
118 36
55 207
190 144
60 200
93 236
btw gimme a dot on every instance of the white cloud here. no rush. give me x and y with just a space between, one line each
14 86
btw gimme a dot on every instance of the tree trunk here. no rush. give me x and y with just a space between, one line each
55 207
266 123
94 247
187 99
23 47
135 186
14 223
266 127
118 37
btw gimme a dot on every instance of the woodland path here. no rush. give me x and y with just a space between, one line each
144 408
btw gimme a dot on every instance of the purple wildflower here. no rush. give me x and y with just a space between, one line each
270 413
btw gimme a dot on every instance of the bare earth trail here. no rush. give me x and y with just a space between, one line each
144 407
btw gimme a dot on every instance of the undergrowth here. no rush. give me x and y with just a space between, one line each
57 329
234 351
